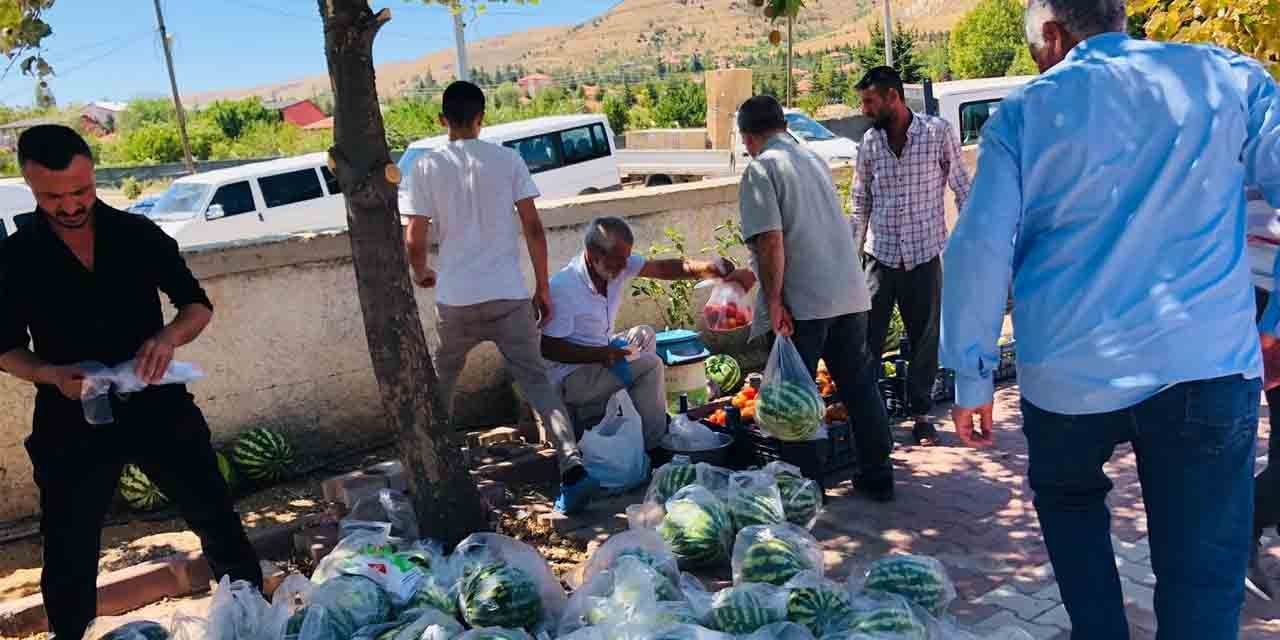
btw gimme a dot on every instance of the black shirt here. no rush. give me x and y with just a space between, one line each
73 315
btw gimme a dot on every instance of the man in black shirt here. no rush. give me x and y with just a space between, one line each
81 284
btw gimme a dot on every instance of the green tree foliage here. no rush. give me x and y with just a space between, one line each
234 116
986 41
615 109
1023 64
1251 27
142 112
936 59
906 58
683 104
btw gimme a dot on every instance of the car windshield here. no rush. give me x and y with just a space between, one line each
179 202
808 129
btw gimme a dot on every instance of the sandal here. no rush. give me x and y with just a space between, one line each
925 434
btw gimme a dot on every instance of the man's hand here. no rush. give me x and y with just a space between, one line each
965 428
542 306
154 357
783 324
69 380
614 355
744 278
425 278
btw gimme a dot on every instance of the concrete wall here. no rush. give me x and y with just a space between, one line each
287 346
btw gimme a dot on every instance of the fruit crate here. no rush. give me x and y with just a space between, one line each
818 460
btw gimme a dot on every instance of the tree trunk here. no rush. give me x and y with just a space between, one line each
444 495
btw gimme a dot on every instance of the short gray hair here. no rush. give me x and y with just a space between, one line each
1083 18
604 233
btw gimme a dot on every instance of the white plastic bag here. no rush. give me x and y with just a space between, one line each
237 612
789 406
186 627
729 308
754 499
645 544
746 608
625 594
774 554
388 506
477 558
690 632
102 381
613 453
801 497
113 629
362 542
689 435
414 624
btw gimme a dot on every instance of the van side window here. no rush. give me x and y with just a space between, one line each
540 153
973 116
236 198
601 139
579 145
331 181
290 188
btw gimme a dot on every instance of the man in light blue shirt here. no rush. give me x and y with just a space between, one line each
1111 189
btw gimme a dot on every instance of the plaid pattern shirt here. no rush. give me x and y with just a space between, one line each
898 203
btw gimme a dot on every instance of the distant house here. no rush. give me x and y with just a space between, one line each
102 117
9 132
326 123
533 83
297 112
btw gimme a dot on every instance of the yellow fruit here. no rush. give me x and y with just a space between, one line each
775 37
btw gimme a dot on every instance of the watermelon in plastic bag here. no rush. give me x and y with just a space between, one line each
754 499
136 630
774 554
821 605
495 633
341 606
922 580
414 624
698 527
746 608
506 583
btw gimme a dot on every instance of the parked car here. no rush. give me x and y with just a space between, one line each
143 206
567 155
966 104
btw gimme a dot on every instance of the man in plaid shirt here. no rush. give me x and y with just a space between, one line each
904 164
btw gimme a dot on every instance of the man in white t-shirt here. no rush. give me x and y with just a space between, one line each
588 360
480 197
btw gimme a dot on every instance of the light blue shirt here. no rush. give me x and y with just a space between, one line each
1111 191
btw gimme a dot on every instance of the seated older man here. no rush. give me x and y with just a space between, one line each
587 359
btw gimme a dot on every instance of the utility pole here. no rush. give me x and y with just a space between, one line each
791 21
173 84
888 32
460 45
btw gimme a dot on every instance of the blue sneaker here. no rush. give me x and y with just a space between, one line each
574 498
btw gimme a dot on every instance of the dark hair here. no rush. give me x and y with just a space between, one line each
1087 18
882 79
51 146
760 115
463 101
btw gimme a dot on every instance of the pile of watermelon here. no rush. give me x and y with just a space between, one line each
789 411
774 554
698 527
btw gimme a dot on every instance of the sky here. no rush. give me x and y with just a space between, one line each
110 49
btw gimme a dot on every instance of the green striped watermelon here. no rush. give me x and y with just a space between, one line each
725 373
139 630
772 559
789 411
920 579
746 608
697 527
139 491
801 498
891 621
664 585
820 605
264 455
675 612
670 478
431 593
754 499
500 595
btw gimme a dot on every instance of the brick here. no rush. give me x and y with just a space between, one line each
1055 617
134 587
21 617
394 472
1007 619
534 468
1023 606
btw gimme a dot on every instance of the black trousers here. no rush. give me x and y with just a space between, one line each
842 343
77 469
1266 501
918 294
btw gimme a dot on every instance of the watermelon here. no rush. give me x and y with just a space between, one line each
725 373
139 630
698 527
754 499
494 633
139 491
920 579
890 621
746 608
227 470
264 455
432 594
671 613
772 559
414 624
496 594
788 411
671 478
342 605
664 586
819 605
801 498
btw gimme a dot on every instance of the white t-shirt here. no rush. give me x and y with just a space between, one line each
580 314
469 189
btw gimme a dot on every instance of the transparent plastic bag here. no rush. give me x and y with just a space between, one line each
889 615
928 586
821 605
294 592
789 406
729 308
187 627
754 499
689 435
801 497
388 506
646 515
1009 633
625 594
237 612
393 573
774 554
781 631
489 558
341 606
361 542
114 629
691 513
690 632
101 381
644 544
495 633
670 478
715 479
414 624
614 452
745 608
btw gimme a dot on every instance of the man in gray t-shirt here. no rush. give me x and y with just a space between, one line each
813 288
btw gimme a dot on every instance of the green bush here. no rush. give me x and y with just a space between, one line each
987 40
131 187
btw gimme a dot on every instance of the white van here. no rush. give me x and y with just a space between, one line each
276 197
567 155
17 206
966 104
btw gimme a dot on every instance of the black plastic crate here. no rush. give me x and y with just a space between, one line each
894 389
818 460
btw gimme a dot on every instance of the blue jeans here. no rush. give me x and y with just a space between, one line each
1194 444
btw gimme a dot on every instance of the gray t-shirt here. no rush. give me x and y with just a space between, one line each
788 188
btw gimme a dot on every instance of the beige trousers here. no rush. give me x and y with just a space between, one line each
592 385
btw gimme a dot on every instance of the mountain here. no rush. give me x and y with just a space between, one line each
642 31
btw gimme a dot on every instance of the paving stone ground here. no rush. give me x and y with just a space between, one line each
973 510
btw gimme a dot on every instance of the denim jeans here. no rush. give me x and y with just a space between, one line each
1194 444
